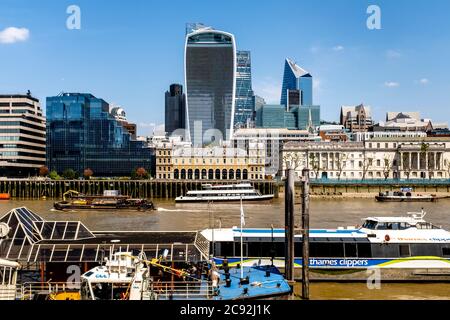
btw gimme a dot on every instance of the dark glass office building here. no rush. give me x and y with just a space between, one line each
299 82
81 133
210 82
244 94
175 110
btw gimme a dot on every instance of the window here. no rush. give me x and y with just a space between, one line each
404 250
350 250
446 252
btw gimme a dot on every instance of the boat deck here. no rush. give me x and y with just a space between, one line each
259 286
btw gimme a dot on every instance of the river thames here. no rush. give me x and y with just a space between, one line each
324 214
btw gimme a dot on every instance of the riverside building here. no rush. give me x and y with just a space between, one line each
378 158
82 133
22 135
184 162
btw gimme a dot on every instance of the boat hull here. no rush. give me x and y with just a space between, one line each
415 269
63 206
218 199
405 199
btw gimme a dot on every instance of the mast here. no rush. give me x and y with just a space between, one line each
242 245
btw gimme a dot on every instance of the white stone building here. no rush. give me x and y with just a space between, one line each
379 158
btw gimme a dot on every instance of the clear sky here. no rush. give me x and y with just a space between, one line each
129 52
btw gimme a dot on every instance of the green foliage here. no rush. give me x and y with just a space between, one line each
70 174
54 175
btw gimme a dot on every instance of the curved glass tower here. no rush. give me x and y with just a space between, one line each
210 80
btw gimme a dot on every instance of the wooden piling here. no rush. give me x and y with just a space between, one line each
305 234
289 225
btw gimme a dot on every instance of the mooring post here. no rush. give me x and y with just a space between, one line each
289 228
305 234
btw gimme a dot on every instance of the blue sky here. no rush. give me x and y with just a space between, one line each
129 52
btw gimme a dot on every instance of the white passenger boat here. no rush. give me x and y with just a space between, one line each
401 248
222 193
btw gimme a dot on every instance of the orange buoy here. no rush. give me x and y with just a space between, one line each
5 196
387 238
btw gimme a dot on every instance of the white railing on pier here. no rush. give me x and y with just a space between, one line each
182 290
29 290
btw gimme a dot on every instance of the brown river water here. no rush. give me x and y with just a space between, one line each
324 214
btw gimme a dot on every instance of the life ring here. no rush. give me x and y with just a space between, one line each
387 238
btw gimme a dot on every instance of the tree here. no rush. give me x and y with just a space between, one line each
387 166
294 160
367 163
406 165
43 171
315 164
140 173
88 173
70 174
341 163
54 175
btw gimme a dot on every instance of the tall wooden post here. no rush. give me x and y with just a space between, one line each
289 225
305 234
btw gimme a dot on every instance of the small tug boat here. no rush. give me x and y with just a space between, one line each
126 277
405 195
111 200
224 193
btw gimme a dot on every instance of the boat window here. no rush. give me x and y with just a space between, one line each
326 250
382 226
403 226
404 250
446 252
364 250
350 250
369 224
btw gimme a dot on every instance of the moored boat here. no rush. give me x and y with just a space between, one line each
127 277
73 200
405 195
405 248
224 193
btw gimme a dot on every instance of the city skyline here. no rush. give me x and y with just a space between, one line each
398 68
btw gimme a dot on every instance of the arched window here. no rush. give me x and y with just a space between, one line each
210 174
197 174
238 174
217 174
224 174
231 174
190 174
245 174
204 174
176 174
183 174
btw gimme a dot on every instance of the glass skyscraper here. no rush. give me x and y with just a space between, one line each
81 133
210 82
296 78
244 93
175 109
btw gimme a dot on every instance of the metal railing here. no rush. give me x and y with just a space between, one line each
182 290
7 292
29 290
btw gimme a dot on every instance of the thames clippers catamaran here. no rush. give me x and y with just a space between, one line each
220 193
401 248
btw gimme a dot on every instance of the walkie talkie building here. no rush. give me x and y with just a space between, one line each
210 81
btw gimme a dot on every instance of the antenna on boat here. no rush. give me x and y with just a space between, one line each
418 215
242 246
